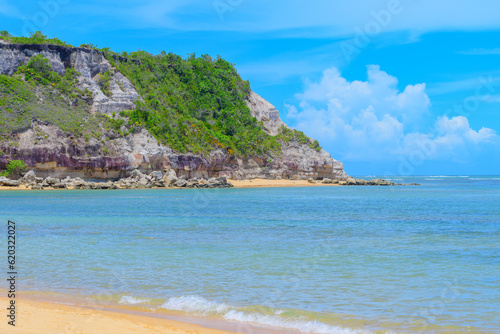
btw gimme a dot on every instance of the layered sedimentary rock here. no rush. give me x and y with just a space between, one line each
61 154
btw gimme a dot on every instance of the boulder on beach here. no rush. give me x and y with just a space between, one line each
170 178
8 182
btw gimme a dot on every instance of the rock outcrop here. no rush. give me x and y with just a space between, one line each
136 180
266 113
89 62
59 154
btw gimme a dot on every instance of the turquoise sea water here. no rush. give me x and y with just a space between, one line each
314 259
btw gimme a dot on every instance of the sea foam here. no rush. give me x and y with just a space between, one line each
198 305
195 304
132 300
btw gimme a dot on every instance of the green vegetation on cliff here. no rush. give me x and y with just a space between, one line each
197 104
35 38
37 92
14 168
193 104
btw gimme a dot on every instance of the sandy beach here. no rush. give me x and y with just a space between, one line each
37 317
264 183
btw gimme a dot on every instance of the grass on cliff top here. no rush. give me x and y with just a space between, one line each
34 38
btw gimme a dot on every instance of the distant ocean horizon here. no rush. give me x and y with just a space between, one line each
354 259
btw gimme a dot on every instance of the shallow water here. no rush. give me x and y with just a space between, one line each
318 259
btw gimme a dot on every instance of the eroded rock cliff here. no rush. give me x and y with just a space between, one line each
112 154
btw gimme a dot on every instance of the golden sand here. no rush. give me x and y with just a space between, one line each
37 317
263 183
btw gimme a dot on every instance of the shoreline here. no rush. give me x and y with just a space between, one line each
270 183
35 316
253 183
157 179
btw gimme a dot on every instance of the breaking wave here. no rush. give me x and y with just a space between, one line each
198 305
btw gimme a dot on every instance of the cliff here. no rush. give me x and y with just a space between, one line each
86 122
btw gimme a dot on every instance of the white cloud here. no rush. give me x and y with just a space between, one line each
481 52
302 19
483 82
373 120
490 98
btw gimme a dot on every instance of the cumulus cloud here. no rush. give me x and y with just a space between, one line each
374 120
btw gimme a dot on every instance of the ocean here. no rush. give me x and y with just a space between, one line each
406 259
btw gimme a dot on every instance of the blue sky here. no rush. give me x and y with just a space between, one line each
387 87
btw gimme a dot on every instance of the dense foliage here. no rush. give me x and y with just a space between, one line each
14 168
196 104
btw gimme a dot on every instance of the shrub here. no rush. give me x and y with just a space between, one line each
104 81
39 70
14 168
88 46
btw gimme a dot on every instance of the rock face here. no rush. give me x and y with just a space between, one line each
58 154
90 63
265 112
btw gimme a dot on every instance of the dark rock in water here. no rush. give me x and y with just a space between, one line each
380 182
